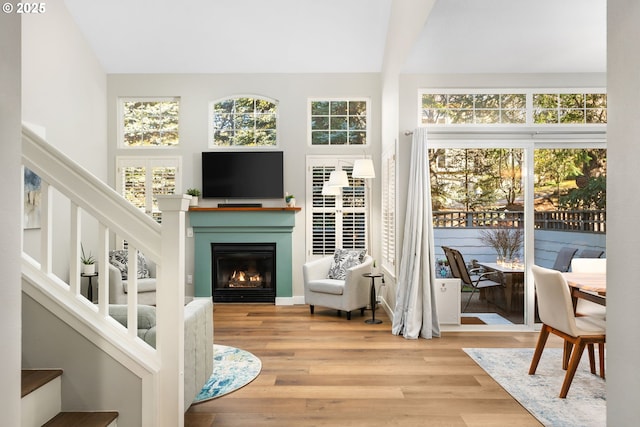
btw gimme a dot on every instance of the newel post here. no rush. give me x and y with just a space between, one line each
170 311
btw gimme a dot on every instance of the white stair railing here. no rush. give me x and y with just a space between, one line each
161 369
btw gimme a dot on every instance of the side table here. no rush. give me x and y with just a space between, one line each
90 285
373 301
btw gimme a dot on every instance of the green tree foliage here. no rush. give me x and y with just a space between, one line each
509 172
338 122
591 196
151 123
554 166
244 122
492 178
462 176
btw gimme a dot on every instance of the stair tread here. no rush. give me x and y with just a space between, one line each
82 419
32 379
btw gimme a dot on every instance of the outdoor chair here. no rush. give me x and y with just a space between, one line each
475 278
556 313
590 253
563 260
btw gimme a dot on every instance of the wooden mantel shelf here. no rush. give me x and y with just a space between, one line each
205 209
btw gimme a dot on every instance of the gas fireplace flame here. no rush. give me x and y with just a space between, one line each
244 279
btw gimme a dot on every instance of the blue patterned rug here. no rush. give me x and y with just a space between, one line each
233 368
585 405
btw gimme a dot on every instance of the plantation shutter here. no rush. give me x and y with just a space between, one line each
141 180
388 211
338 221
323 240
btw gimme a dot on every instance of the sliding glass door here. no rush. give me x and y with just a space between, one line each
506 206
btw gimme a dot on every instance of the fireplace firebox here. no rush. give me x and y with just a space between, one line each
243 272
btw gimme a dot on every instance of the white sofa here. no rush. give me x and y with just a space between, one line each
343 295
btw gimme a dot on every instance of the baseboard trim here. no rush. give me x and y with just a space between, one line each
290 300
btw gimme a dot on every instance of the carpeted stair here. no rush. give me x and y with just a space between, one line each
42 402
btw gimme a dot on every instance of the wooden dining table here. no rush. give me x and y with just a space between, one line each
589 286
511 276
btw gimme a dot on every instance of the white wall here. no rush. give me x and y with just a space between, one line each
64 91
623 234
91 380
291 90
10 218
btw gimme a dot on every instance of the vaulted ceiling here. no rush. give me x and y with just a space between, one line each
343 36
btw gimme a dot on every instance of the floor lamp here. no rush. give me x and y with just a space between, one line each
363 169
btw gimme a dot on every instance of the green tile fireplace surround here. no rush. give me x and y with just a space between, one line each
242 225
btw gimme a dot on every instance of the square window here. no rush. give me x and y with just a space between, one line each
344 122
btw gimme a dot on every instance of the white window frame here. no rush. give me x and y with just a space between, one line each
528 92
120 125
526 137
148 163
336 162
368 118
211 130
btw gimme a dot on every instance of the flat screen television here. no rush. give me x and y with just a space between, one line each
242 174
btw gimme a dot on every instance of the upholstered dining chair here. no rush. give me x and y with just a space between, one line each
556 313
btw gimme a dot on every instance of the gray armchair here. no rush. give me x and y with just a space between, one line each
198 340
343 295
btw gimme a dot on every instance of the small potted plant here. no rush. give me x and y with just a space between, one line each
290 200
194 193
443 268
88 263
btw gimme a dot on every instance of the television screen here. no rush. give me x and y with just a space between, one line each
242 174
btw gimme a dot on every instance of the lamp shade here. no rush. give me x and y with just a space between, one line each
338 178
327 190
363 168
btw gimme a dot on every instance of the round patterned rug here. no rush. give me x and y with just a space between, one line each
233 368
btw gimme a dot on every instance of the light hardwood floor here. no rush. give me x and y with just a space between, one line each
323 370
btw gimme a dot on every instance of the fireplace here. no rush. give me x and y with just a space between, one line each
243 272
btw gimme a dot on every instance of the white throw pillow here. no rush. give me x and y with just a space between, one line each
343 260
119 259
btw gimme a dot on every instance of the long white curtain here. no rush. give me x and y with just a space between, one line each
415 314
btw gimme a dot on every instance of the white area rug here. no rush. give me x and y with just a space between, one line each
585 405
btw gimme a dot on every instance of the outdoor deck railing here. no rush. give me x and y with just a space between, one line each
592 221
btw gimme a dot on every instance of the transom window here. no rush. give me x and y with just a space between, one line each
516 108
473 108
338 122
149 122
562 108
243 121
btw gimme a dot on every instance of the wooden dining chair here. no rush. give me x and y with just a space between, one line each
556 313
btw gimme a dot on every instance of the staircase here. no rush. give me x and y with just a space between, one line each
154 376
41 403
